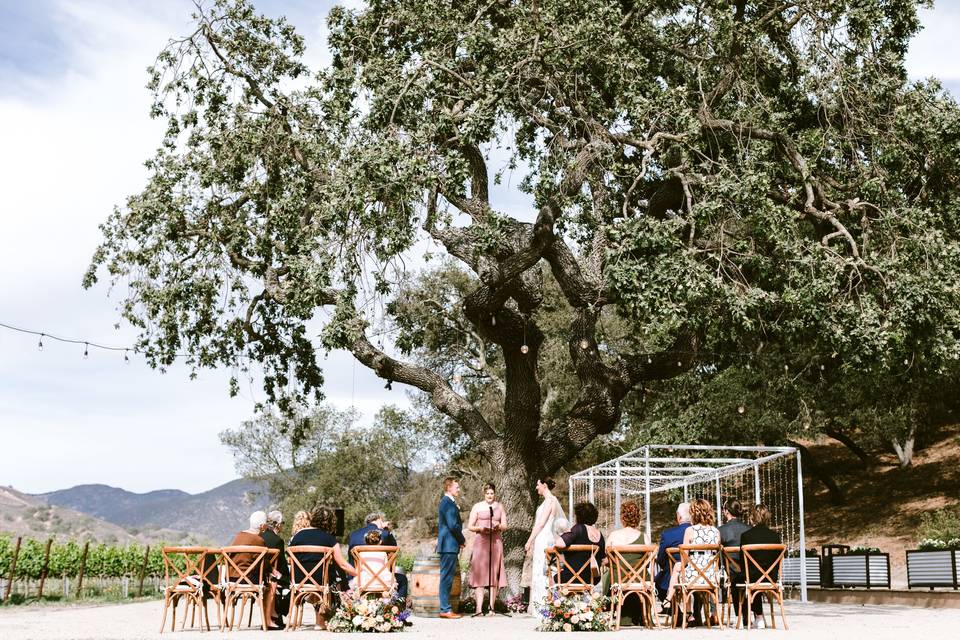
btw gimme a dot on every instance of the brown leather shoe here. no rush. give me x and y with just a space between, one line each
450 615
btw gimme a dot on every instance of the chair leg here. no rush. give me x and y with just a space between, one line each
166 605
773 620
173 614
783 615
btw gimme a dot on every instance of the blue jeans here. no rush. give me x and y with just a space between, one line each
449 564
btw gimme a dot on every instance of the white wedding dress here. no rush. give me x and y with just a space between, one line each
544 539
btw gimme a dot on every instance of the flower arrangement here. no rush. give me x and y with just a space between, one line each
562 611
516 603
938 544
368 614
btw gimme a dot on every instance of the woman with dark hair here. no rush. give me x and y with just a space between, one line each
488 520
584 531
323 522
761 533
540 538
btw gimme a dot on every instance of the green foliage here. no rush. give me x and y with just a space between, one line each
65 558
322 457
405 561
941 525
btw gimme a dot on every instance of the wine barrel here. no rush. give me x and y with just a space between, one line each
425 587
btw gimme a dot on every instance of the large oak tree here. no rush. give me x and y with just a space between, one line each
714 175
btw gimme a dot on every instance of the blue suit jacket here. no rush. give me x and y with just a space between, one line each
672 537
449 527
356 539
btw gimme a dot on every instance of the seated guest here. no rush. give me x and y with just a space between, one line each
323 522
378 522
369 573
672 537
628 535
733 527
761 533
730 532
701 531
375 522
583 532
560 526
281 570
250 538
253 537
300 521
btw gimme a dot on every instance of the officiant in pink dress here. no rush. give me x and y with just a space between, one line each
488 520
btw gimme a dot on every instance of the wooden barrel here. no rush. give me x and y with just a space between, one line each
425 587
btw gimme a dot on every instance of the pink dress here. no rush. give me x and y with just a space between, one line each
488 551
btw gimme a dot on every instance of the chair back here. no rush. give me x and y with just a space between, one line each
580 579
731 562
317 577
183 567
373 577
701 580
762 577
247 566
632 574
673 556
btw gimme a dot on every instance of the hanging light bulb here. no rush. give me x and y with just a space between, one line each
584 344
86 351
741 409
40 344
457 378
649 360
786 367
822 367
524 349
493 321
126 357
679 364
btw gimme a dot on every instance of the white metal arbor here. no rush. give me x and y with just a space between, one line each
657 477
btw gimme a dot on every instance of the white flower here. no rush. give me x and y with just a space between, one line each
357 620
568 627
587 616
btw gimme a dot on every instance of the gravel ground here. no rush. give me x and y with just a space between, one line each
142 620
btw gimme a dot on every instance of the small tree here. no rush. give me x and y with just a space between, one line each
714 174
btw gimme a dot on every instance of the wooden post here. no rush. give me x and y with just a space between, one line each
43 572
13 568
143 571
83 567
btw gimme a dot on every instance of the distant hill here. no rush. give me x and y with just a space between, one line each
26 515
212 516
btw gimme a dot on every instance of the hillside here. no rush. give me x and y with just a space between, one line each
212 516
883 504
26 515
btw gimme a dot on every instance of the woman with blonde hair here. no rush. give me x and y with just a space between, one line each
300 521
701 531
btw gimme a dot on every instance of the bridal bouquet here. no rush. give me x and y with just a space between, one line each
562 611
367 614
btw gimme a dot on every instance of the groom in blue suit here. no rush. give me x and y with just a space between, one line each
449 542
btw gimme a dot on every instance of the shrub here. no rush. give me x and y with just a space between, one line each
941 525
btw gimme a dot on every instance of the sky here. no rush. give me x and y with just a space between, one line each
74 133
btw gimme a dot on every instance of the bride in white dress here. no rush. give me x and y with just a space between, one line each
540 538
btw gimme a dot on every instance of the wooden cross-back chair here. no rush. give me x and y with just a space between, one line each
188 577
701 581
374 577
312 585
628 576
761 581
247 583
733 571
580 580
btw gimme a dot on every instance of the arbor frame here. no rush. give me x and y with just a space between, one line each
657 469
